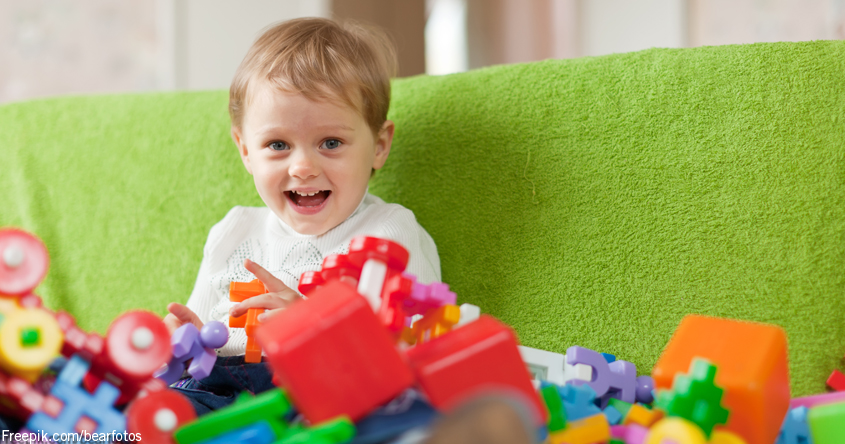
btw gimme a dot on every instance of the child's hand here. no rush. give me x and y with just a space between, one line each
180 315
277 298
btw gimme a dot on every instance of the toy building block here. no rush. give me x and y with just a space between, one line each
836 381
727 437
18 398
392 312
795 429
337 266
543 365
268 407
645 389
642 416
589 430
29 340
136 345
309 281
469 313
629 434
198 346
827 423
482 356
753 371
814 400
617 379
554 406
76 341
256 433
336 431
378 259
333 355
695 397
158 414
23 262
426 297
621 406
677 430
239 292
436 323
77 410
579 401
613 416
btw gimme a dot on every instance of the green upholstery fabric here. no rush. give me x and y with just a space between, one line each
593 201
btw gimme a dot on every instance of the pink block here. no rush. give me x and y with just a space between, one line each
812 401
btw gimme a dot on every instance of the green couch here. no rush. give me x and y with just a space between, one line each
593 201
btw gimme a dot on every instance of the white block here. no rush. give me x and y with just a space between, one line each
372 279
469 313
544 365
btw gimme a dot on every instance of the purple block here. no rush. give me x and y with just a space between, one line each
617 379
426 297
645 389
196 345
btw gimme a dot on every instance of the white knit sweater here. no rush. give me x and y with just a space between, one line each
256 233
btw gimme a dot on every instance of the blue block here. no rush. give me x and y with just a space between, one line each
579 401
78 402
608 357
614 417
795 429
256 433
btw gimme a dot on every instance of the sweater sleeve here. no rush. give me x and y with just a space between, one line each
401 226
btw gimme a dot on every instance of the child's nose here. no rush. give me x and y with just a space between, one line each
303 165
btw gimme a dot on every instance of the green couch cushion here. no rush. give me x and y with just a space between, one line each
593 201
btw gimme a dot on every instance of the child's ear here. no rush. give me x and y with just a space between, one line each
384 139
237 136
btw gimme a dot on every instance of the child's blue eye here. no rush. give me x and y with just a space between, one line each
278 146
331 144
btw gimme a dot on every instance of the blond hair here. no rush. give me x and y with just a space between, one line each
320 59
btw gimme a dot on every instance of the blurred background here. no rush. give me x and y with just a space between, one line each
58 47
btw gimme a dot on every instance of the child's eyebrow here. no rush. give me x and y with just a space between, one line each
327 127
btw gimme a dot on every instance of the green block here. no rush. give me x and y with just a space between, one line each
335 431
617 441
695 397
557 414
30 337
620 406
827 423
269 406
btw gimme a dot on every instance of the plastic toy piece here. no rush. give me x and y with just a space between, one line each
645 389
480 356
642 416
337 266
239 292
617 379
336 431
425 297
630 434
76 341
23 262
554 405
469 313
695 397
19 356
836 381
436 323
579 401
392 312
589 430
378 259
256 433
677 430
727 437
812 401
613 416
827 423
543 365
309 281
621 406
18 398
268 407
80 411
795 429
196 345
334 321
752 361
157 415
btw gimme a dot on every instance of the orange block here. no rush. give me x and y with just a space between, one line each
239 292
640 415
753 369
589 430
436 322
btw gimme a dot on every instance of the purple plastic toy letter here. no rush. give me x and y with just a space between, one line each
197 345
615 380
645 389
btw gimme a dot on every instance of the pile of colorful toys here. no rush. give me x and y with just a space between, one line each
370 342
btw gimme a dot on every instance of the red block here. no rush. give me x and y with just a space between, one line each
332 355
481 357
836 381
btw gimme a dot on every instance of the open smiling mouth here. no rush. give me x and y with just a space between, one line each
313 199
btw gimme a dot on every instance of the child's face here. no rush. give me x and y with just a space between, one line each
295 147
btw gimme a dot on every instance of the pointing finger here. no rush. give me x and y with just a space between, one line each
271 283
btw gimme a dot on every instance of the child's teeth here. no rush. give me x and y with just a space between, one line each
306 194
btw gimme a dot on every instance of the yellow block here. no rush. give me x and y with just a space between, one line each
28 362
676 430
725 437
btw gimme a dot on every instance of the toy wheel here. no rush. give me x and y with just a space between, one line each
138 344
157 415
23 262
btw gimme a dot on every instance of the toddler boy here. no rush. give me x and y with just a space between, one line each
308 106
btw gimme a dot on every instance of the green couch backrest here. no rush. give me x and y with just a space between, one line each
590 202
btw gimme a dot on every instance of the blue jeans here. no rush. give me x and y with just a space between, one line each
229 377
